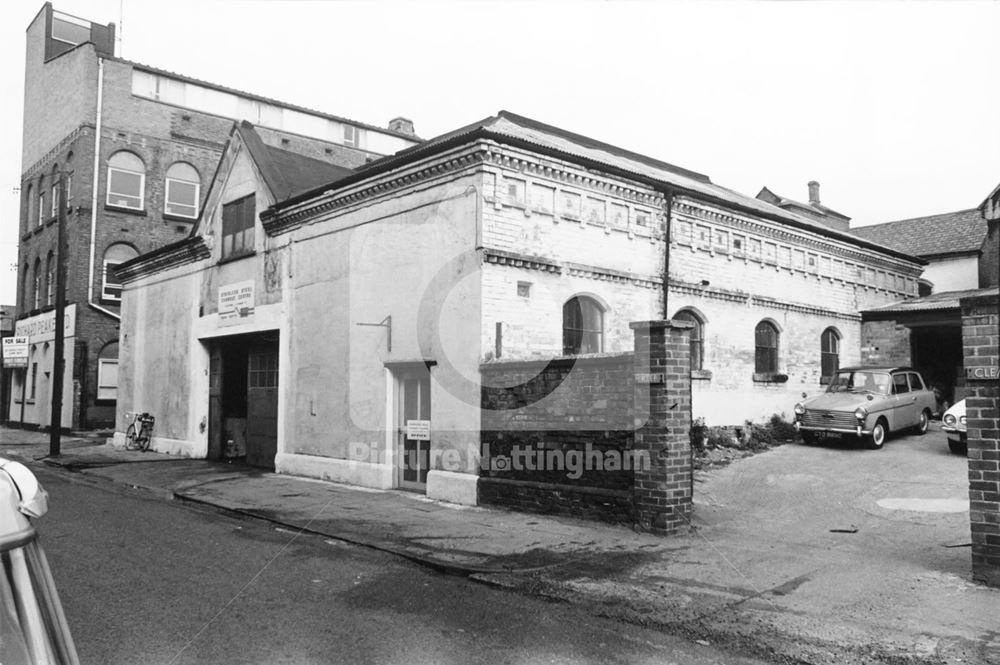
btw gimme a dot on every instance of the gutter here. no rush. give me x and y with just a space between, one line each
94 193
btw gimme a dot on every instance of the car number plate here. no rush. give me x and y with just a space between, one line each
829 435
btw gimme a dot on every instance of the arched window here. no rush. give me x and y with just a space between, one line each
126 181
36 299
111 288
183 187
829 343
583 326
697 337
766 343
41 202
107 372
50 279
54 203
29 206
26 288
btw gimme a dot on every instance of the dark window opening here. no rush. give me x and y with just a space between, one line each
583 326
766 343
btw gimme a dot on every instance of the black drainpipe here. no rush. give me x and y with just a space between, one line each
669 196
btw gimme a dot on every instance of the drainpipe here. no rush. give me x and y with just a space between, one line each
94 192
669 195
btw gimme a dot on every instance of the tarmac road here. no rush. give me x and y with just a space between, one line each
148 580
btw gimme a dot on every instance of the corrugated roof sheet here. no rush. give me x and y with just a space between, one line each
949 233
933 302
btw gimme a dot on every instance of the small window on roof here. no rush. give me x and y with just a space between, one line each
70 29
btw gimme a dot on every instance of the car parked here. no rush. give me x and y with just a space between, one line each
867 402
953 422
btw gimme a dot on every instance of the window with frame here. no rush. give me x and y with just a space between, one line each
126 181
829 354
766 348
182 190
899 384
54 194
29 203
114 255
34 382
583 326
697 337
107 372
238 219
41 202
50 279
916 382
70 29
352 136
37 297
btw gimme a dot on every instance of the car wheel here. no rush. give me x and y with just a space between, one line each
958 447
876 439
925 419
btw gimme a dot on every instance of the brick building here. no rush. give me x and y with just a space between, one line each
962 252
134 148
383 308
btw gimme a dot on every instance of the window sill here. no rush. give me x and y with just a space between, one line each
701 374
769 377
236 257
179 218
128 211
111 302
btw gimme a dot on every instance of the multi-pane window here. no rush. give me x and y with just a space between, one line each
107 372
126 181
183 186
54 204
829 354
41 202
263 370
238 218
29 202
352 136
583 326
37 297
766 348
114 255
697 337
50 279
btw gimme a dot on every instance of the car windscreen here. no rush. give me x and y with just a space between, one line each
860 381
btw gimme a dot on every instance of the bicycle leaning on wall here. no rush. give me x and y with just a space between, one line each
139 432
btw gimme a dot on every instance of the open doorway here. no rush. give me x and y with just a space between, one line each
936 352
243 399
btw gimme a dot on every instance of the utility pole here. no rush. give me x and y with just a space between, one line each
55 423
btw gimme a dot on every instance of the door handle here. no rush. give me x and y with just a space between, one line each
914 399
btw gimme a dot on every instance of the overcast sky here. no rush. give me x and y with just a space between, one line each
893 107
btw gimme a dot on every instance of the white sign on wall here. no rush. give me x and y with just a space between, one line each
42 328
236 303
15 351
418 430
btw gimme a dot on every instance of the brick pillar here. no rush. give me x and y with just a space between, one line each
662 489
981 338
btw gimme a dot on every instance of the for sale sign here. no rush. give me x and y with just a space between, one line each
15 351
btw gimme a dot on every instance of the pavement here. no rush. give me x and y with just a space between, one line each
803 554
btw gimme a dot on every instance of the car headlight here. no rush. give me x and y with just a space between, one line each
800 409
861 413
962 420
949 419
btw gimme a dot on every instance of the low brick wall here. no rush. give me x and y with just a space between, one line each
981 338
602 437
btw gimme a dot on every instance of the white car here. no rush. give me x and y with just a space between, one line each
953 422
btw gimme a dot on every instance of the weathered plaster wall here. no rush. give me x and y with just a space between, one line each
411 257
953 274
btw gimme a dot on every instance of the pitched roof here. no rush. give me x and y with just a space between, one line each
950 233
933 302
517 130
817 209
287 173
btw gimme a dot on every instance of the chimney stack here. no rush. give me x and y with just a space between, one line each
813 193
402 125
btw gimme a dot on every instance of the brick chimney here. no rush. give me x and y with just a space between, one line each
402 125
813 192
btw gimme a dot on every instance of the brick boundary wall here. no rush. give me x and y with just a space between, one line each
633 406
981 338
